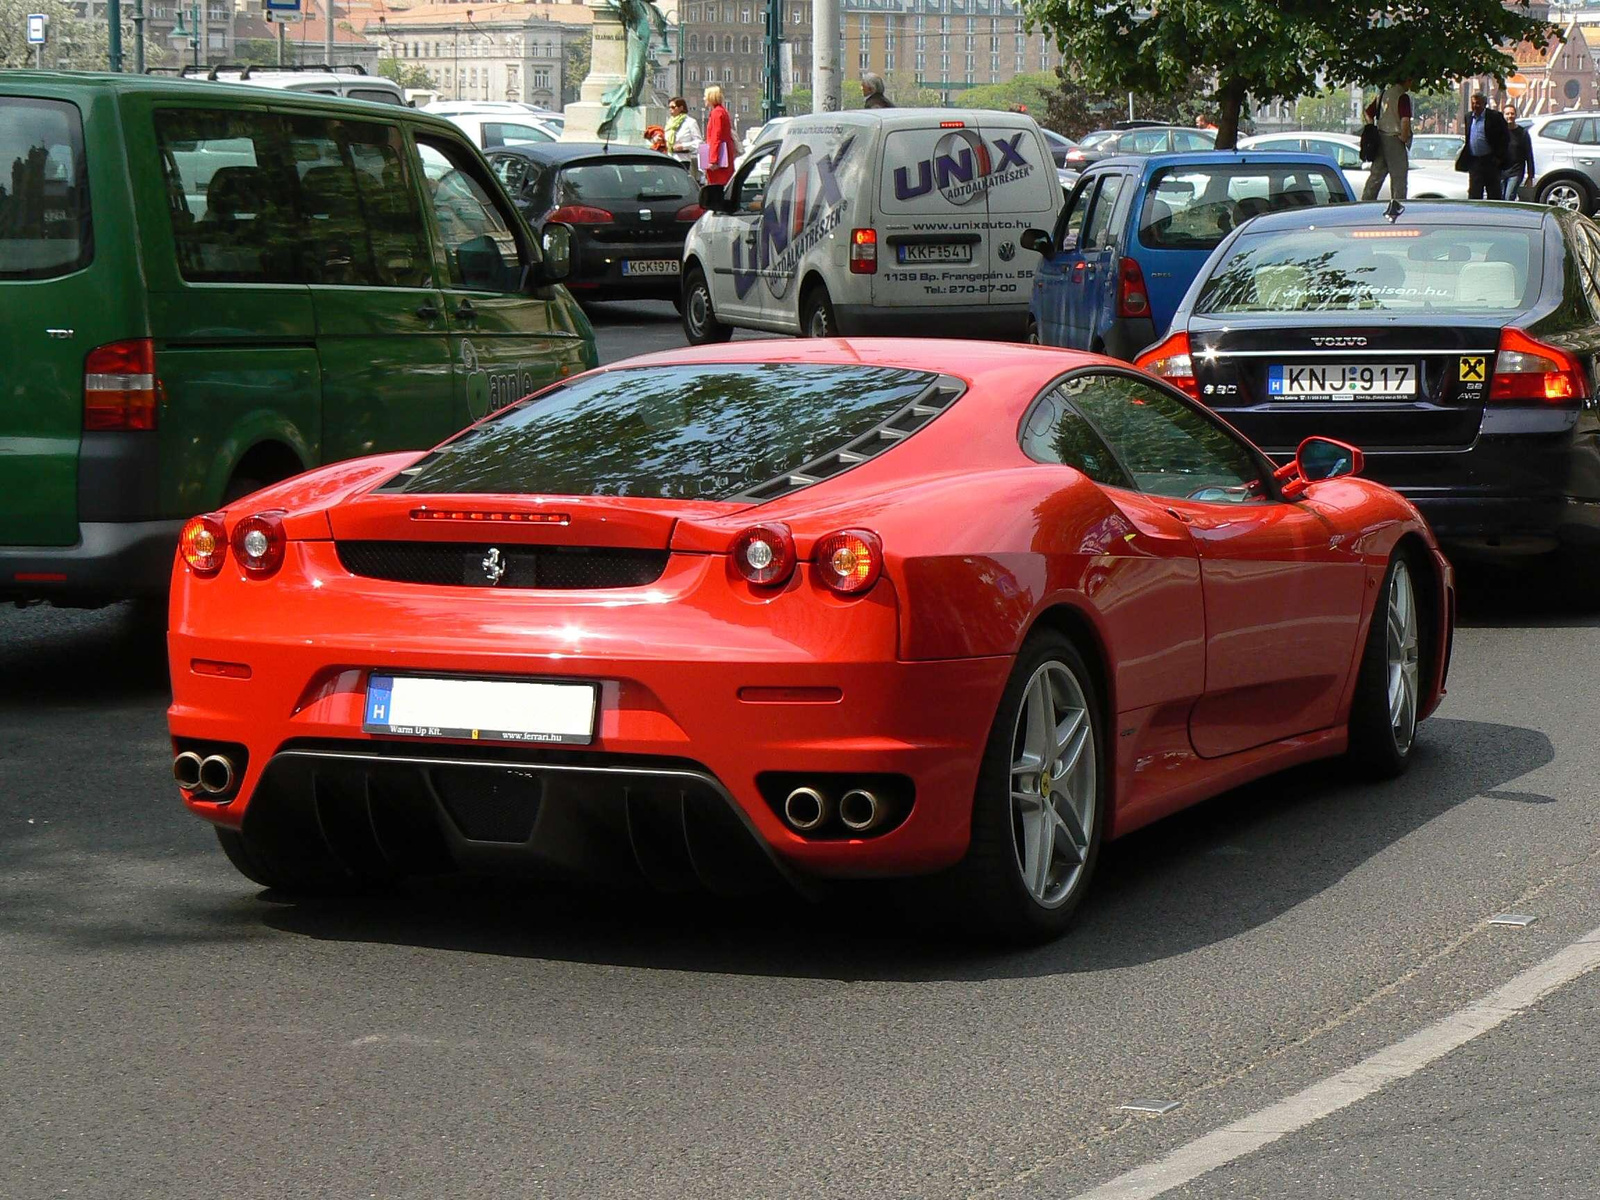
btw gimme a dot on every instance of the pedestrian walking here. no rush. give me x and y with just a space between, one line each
872 92
1519 168
718 150
683 135
1391 113
1484 149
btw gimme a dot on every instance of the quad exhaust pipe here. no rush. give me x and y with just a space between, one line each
807 809
212 775
862 811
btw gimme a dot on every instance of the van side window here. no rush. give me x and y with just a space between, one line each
231 196
359 213
480 240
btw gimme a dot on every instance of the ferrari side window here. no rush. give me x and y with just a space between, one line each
1169 448
1055 432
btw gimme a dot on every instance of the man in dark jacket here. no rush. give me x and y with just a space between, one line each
1519 168
872 92
1484 149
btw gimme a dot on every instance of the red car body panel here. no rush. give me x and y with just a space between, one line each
1227 637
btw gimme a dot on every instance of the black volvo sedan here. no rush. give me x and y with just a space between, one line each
1455 343
630 211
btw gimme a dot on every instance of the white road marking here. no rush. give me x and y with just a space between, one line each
1403 1058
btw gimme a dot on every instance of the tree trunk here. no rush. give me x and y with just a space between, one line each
1230 98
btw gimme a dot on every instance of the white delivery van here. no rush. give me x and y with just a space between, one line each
888 221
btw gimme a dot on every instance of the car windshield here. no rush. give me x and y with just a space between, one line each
1194 208
1440 268
614 182
701 432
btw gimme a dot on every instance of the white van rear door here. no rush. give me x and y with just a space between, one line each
932 220
1024 193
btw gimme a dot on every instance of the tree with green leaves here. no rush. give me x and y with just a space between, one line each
74 43
1074 108
406 74
1278 49
575 69
1030 91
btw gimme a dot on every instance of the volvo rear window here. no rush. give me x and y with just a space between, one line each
702 432
1194 208
624 183
1385 268
45 225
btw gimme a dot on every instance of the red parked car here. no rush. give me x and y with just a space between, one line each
849 609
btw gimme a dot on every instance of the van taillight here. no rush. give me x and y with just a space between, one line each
863 251
119 386
1132 299
1530 372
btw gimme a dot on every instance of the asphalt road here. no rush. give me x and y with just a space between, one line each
168 1030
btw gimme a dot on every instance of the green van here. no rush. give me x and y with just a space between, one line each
206 287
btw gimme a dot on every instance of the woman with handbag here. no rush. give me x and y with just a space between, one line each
718 150
683 135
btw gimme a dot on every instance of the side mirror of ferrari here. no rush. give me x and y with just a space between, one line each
1317 459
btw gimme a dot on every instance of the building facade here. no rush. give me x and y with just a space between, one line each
488 51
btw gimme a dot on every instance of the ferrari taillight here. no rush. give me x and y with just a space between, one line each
850 561
119 386
258 544
764 554
1530 372
1172 362
204 544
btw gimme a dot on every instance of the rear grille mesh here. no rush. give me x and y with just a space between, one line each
455 564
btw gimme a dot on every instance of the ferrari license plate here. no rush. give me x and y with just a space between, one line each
935 252
650 266
1343 381
490 710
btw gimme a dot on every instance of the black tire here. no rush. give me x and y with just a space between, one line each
816 314
700 324
987 892
1031 334
1382 743
321 876
1558 191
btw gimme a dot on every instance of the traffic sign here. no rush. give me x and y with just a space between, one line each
37 28
282 10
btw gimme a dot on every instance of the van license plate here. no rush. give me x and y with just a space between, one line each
935 252
489 710
650 266
1343 380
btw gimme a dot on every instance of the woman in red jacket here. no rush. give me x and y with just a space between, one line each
719 149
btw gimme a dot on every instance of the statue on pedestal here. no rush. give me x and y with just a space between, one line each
611 106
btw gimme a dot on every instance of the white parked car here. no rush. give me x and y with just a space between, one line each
895 220
498 129
1425 180
352 83
1566 158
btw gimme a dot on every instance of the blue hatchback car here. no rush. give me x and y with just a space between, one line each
1135 232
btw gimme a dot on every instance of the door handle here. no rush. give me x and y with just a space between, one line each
1174 513
427 311
465 312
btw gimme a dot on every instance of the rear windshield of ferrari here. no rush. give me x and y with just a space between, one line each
1387 268
702 432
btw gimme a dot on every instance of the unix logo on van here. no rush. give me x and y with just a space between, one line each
1338 341
963 169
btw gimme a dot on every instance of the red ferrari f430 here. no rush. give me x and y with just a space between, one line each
843 609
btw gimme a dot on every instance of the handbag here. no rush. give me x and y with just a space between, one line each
1371 143
1464 160
1528 192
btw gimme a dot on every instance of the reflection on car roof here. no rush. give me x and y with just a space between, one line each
1429 212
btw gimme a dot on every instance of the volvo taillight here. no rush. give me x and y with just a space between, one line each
579 214
1172 361
764 554
259 542
1132 299
1529 372
119 386
863 251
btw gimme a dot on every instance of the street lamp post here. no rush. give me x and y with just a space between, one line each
191 35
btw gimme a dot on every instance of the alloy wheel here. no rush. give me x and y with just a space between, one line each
1402 657
1565 195
1053 784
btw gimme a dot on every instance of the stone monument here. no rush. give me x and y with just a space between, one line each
610 104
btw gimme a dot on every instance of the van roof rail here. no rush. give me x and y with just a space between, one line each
244 69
